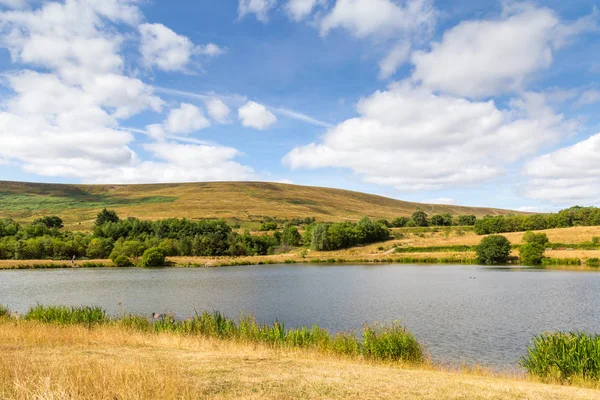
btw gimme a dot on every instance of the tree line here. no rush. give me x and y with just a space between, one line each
126 239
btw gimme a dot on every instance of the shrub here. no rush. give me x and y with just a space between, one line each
564 356
493 249
531 254
593 262
391 343
122 261
419 218
153 257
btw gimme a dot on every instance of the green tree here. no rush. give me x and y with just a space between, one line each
420 218
153 257
106 216
50 222
291 236
466 220
493 249
400 222
441 220
532 252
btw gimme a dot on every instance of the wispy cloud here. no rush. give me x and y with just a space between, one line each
238 100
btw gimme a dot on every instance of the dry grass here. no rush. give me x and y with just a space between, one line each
230 200
49 362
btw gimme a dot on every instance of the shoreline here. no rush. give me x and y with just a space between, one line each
103 361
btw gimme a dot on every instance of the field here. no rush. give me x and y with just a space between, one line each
73 362
234 201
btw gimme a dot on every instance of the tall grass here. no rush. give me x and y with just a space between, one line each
4 311
564 356
380 342
67 315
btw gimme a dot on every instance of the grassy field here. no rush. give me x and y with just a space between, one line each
73 362
242 201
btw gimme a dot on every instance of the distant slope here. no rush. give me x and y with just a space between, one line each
244 201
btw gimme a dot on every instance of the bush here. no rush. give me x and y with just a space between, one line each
153 257
593 262
493 249
532 252
564 356
122 261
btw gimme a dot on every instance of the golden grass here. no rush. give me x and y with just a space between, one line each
50 362
243 201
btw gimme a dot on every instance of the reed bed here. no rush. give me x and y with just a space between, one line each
564 357
380 342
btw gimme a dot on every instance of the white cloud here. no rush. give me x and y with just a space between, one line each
403 23
300 9
569 175
414 140
164 48
364 18
218 110
588 97
256 116
63 118
487 57
395 58
14 3
180 163
211 50
186 119
260 8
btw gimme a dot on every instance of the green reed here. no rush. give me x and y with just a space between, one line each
564 356
4 311
380 342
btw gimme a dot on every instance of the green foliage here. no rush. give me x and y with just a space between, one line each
4 311
291 236
268 226
50 222
434 249
153 257
380 342
393 343
99 248
466 220
564 356
334 236
67 315
593 262
493 249
106 216
400 222
122 261
441 220
532 252
419 218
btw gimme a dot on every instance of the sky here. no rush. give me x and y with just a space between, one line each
471 102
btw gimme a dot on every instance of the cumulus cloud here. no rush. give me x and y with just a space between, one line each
567 176
300 9
412 139
402 23
482 58
218 110
260 8
257 116
62 117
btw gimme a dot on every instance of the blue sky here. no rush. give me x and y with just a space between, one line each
489 103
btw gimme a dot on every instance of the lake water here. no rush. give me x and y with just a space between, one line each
463 314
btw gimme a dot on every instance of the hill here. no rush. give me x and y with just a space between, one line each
242 201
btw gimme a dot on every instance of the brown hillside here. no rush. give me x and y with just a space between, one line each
244 201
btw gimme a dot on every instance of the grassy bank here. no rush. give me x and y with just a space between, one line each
48 361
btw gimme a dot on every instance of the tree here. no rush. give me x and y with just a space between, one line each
441 220
291 236
106 216
420 218
153 257
400 222
532 252
466 220
493 249
50 222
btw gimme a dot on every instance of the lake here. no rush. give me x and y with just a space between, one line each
463 314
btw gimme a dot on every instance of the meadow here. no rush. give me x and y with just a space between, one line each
57 353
